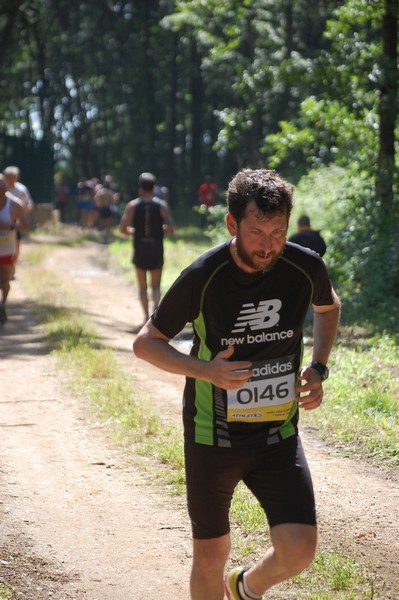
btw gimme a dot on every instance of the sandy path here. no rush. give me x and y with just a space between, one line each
69 498
72 500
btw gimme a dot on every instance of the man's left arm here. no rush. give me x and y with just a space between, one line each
325 325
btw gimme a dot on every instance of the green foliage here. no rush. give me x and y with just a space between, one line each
206 86
181 88
351 16
364 386
214 223
317 195
339 121
326 132
364 261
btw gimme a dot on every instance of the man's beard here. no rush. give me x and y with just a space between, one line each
250 259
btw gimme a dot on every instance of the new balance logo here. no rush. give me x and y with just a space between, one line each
263 317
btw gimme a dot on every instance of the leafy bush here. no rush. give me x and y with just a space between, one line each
364 258
214 222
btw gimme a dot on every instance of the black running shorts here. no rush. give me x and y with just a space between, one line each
278 475
148 254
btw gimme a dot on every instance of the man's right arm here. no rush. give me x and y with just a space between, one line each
154 347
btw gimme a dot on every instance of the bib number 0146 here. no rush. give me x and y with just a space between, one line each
269 393
268 396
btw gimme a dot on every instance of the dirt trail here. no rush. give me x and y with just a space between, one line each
78 518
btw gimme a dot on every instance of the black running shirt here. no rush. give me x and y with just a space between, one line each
148 238
262 315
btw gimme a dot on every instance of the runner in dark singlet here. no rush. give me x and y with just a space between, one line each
147 219
247 301
148 238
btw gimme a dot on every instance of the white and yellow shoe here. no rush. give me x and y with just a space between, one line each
232 579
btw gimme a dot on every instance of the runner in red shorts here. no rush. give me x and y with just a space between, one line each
12 219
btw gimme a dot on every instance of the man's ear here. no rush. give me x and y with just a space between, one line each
231 224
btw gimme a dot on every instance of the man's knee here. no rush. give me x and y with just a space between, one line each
303 553
211 555
296 548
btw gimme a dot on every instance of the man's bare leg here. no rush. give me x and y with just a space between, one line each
5 276
156 275
143 294
293 549
209 560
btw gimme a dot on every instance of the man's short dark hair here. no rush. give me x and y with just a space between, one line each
304 221
147 181
271 194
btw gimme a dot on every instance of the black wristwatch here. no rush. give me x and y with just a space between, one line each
322 369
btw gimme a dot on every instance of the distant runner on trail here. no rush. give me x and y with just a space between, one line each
208 192
12 220
308 237
18 191
207 197
247 300
147 219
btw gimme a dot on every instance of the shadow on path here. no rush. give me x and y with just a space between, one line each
21 335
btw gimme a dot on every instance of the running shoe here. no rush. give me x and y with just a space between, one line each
231 582
3 314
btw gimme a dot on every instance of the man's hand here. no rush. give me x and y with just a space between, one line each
312 388
227 374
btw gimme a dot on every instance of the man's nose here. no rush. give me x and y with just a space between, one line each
266 242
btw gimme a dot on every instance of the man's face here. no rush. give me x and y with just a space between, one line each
11 180
259 240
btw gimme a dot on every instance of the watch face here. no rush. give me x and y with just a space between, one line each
322 369
325 375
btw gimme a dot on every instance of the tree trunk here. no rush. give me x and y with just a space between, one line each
388 111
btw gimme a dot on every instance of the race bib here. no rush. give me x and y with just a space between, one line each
269 394
5 237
